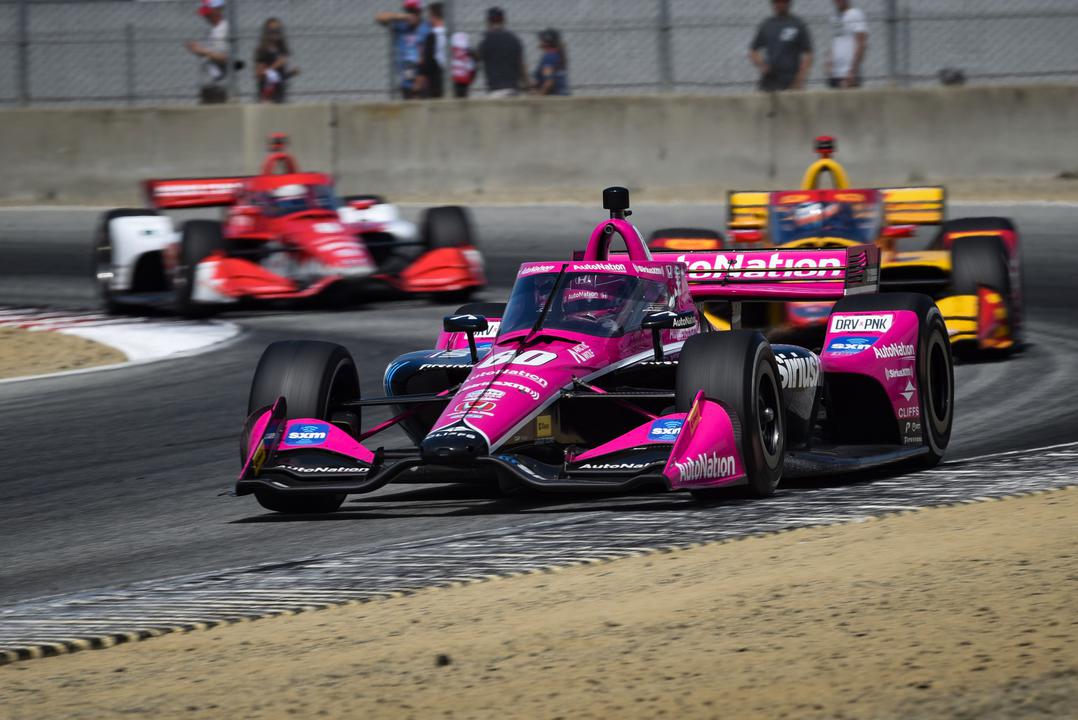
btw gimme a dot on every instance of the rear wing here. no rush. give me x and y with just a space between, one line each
747 209
781 274
914 205
193 192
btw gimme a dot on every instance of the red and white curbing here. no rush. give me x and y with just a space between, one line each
141 339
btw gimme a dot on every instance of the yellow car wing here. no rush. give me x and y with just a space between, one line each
747 209
914 205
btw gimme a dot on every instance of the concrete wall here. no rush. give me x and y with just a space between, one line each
663 147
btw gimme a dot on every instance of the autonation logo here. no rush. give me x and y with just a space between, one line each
893 350
705 466
776 265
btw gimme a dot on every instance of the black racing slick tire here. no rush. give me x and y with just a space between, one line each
447 226
981 261
199 240
738 368
102 256
486 309
971 224
314 378
710 239
935 366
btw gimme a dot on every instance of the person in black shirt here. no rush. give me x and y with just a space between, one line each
502 57
271 63
430 78
782 50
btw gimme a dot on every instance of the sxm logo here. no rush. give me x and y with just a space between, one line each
665 430
307 434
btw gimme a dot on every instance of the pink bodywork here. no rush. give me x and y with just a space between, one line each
889 355
705 454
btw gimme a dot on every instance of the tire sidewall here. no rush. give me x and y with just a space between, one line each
934 348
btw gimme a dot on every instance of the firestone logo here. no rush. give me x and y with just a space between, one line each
776 265
706 466
893 350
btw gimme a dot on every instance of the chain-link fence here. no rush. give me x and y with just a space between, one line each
55 52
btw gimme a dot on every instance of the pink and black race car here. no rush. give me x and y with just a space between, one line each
285 236
600 374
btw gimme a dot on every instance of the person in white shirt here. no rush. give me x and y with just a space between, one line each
214 52
849 40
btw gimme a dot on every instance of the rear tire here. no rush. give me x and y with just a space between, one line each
101 258
935 368
982 261
314 378
446 227
200 239
487 310
738 368
971 224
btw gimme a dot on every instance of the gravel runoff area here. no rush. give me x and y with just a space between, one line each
958 612
23 352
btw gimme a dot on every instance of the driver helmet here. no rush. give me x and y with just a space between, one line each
290 198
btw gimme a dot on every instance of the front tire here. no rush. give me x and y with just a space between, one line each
200 239
314 378
738 368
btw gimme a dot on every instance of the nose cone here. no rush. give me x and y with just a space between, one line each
457 445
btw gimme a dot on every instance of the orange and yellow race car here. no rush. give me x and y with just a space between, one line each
971 266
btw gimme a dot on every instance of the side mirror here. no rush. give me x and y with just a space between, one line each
469 325
656 322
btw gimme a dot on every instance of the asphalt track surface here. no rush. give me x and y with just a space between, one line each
112 477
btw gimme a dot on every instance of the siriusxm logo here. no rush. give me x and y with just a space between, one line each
665 430
706 466
798 372
313 434
893 350
850 345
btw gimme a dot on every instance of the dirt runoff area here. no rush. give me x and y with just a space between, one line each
966 612
23 352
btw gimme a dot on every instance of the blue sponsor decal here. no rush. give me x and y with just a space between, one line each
665 430
309 434
849 345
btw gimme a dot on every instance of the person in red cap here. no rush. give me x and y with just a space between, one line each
409 32
214 52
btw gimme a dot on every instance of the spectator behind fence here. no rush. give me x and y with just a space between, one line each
431 80
782 50
214 53
502 57
409 32
272 56
552 73
463 64
849 40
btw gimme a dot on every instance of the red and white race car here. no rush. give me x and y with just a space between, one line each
285 235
